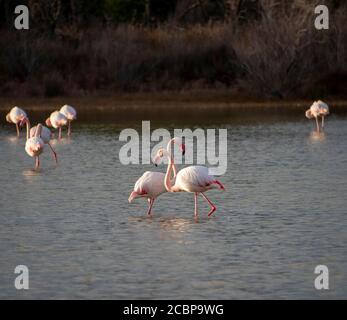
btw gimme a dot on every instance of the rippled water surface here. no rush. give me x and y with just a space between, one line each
284 212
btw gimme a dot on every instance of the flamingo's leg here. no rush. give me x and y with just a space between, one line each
213 207
37 164
196 205
17 128
69 129
317 123
322 122
150 201
59 133
54 153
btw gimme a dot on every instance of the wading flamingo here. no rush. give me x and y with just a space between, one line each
70 113
46 135
56 120
16 115
151 184
194 179
34 146
318 109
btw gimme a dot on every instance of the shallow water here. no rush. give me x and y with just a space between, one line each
284 212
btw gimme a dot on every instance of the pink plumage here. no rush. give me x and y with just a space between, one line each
151 184
15 116
318 109
194 179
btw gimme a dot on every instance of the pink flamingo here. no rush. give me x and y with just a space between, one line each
16 115
34 146
70 113
56 120
194 179
46 135
151 184
318 109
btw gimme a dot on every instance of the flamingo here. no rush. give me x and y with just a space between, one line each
46 135
151 184
70 113
318 109
194 179
16 115
34 146
56 120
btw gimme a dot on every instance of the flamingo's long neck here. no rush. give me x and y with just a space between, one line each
38 130
169 150
173 166
28 129
170 165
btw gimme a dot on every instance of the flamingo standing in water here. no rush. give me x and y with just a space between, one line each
194 179
56 120
34 145
318 109
151 184
46 135
70 113
16 115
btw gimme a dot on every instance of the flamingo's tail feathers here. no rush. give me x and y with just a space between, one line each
133 195
219 185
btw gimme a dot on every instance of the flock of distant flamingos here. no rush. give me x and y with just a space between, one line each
40 135
193 179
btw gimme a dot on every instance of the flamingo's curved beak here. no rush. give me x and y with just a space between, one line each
156 159
220 185
22 122
132 196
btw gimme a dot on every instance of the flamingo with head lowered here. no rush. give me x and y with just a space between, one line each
34 145
46 135
318 109
151 184
16 115
56 120
70 113
194 179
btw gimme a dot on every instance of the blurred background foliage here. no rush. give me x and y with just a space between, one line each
263 48
144 11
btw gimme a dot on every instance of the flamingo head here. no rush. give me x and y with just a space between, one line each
48 122
8 118
324 111
159 155
36 145
181 145
133 196
23 122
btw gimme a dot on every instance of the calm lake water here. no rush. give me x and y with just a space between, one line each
284 213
